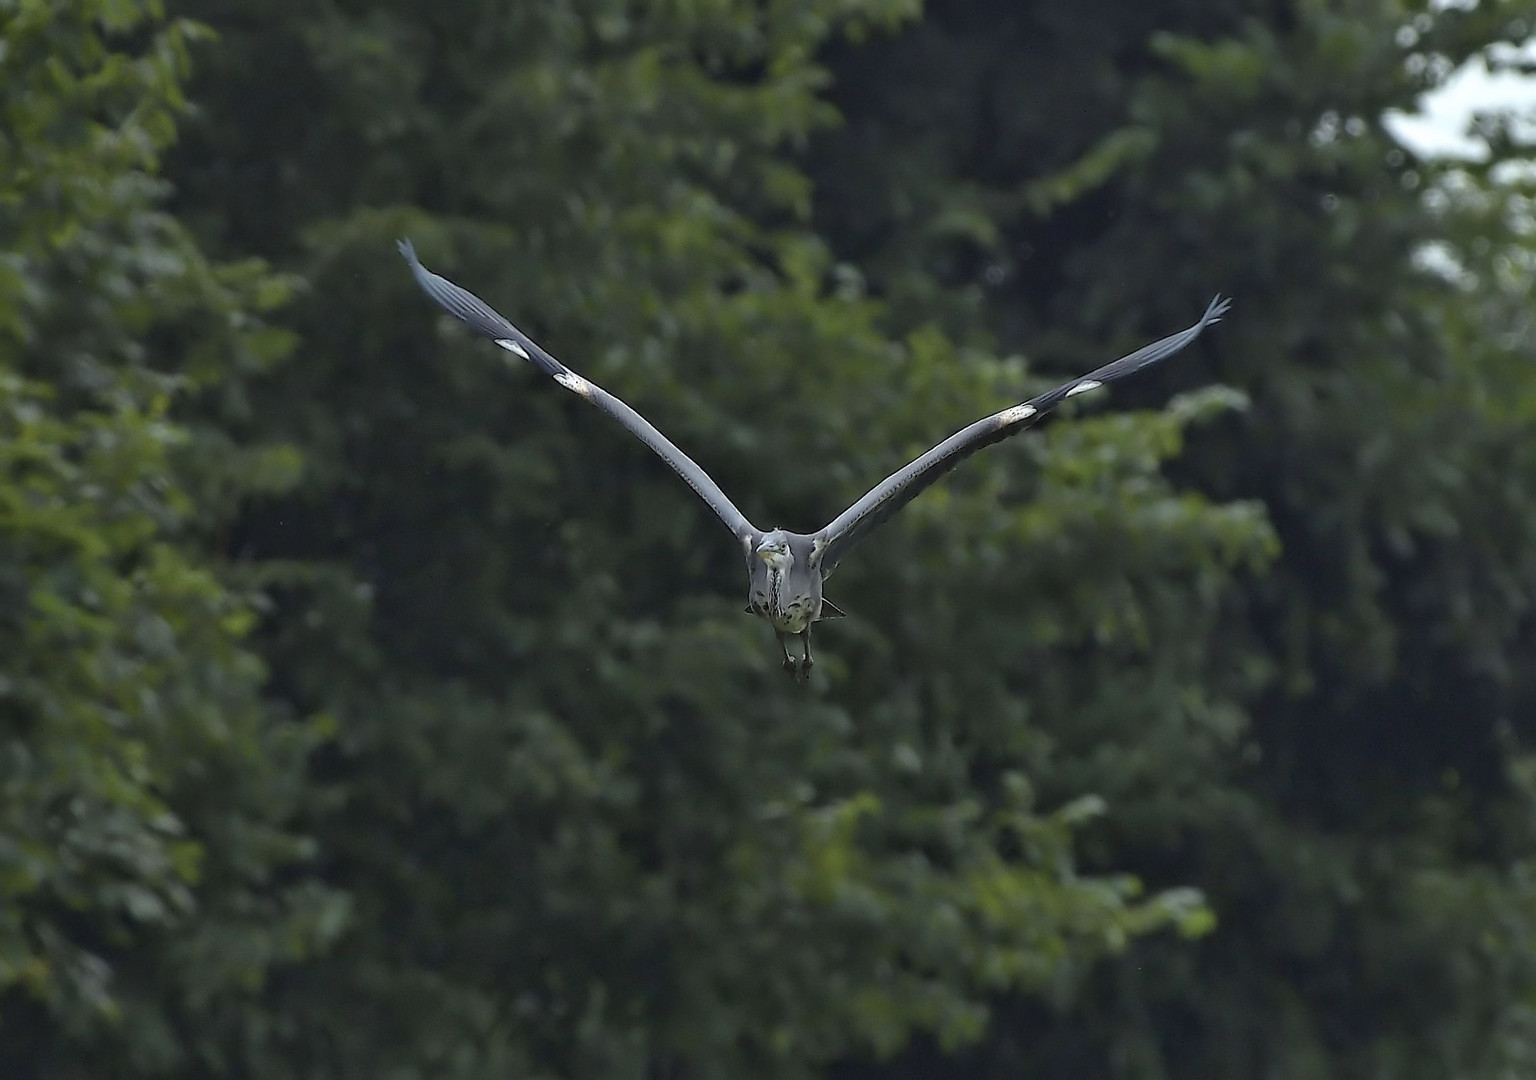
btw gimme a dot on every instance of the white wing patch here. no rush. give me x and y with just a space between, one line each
574 383
1015 414
1084 386
512 346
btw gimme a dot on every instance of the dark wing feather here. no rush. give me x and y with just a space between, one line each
901 487
481 318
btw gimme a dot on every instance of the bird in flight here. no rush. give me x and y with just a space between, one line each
785 570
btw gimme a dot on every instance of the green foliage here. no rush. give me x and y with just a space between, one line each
143 787
1384 665
588 827
1184 742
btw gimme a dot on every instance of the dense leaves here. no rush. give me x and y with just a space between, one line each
372 708
590 828
1382 333
144 786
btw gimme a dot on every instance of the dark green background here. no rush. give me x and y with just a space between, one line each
370 708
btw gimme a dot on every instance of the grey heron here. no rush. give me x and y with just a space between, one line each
785 570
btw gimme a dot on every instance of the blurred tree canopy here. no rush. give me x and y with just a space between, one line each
371 709
1034 169
147 864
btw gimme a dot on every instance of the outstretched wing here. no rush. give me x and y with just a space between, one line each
901 487
481 318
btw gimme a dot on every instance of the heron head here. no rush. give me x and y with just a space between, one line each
774 550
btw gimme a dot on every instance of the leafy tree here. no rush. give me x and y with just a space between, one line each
587 826
1020 166
143 785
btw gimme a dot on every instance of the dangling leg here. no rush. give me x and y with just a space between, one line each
789 661
809 661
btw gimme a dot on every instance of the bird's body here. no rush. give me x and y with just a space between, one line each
783 587
784 577
786 570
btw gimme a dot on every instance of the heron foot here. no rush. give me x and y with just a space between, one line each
790 664
799 669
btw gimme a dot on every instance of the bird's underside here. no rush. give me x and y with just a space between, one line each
786 570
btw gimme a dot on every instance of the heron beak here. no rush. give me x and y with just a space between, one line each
764 554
